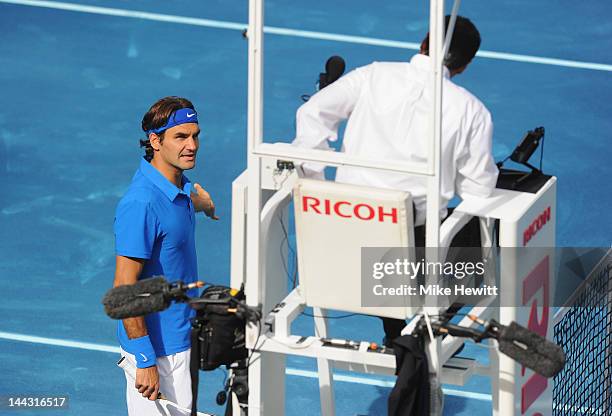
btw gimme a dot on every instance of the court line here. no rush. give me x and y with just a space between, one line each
219 24
59 342
11 336
385 383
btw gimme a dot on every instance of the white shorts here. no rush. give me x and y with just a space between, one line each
174 383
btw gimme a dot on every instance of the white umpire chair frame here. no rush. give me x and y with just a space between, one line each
256 202
258 149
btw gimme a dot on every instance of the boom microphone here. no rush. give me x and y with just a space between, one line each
144 297
531 350
517 342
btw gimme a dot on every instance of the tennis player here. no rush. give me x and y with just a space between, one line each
154 235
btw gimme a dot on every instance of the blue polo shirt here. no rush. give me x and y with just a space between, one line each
155 221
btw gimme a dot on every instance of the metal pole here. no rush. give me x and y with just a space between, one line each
450 29
254 137
253 282
436 36
432 236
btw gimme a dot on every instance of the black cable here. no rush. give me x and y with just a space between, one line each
329 317
292 276
500 164
541 154
282 244
451 315
248 363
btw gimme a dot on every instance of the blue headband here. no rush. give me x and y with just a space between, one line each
181 116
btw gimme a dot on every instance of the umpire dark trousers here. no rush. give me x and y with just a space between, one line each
468 236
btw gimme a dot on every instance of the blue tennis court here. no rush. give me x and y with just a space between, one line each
77 77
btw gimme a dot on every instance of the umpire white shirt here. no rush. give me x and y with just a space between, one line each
388 105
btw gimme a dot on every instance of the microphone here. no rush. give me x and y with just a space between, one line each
517 342
531 350
334 68
155 294
144 297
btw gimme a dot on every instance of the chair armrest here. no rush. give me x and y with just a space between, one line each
280 197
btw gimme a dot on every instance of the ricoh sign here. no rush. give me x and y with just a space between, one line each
345 209
536 225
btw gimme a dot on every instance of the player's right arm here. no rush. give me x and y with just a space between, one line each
136 231
127 271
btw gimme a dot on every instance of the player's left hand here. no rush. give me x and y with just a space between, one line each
203 202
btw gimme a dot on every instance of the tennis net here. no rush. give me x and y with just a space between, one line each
584 329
